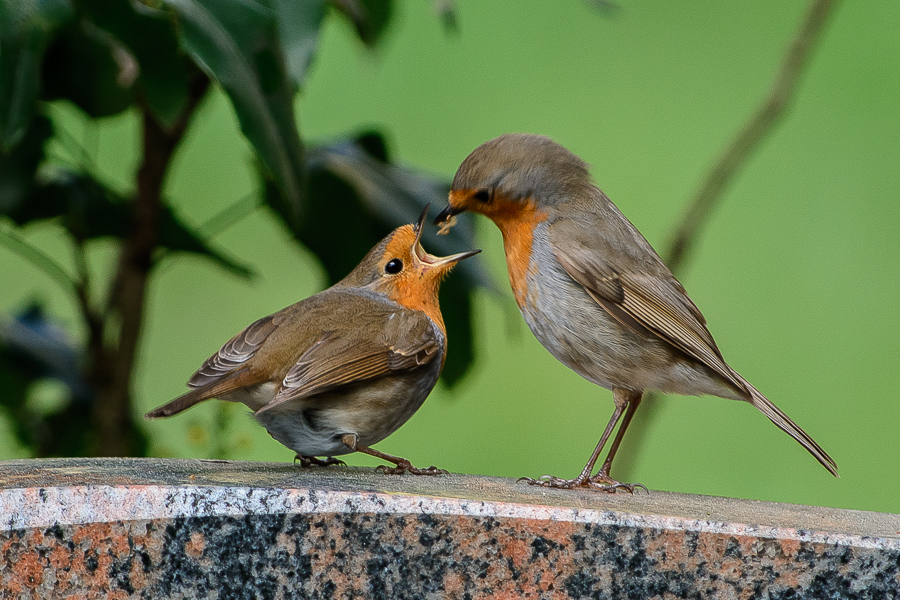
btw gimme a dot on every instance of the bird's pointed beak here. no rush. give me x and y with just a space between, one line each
442 261
456 204
420 225
431 260
445 215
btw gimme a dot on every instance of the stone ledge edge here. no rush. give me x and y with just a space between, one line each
31 508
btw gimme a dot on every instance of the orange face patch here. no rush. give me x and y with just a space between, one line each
516 220
518 237
416 286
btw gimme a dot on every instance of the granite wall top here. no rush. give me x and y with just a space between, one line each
151 528
38 493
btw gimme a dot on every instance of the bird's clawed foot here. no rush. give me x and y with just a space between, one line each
603 482
549 481
312 461
404 466
600 482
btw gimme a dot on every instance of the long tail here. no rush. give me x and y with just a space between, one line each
788 426
222 385
180 403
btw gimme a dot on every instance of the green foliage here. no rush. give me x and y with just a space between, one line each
237 44
157 59
32 348
18 168
25 28
370 17
145 47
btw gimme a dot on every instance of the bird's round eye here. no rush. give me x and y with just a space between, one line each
483 195
394 266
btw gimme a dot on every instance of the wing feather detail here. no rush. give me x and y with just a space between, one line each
237 351
405 340
647 303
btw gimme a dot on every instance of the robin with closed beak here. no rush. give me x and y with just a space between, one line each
343 369
594 292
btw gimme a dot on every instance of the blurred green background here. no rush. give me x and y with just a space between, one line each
797 272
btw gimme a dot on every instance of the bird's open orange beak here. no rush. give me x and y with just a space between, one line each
428 259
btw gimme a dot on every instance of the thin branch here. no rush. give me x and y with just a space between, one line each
227 217
230 215
770 112
112 368
760 124
18 245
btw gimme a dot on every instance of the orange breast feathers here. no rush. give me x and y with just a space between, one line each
517 221
420 293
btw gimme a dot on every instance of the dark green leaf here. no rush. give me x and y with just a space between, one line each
153 56
19 165
89 210
298 27
370 17
456 308
80 67
33 348
25 28
17 374
178 236
238 44
389 195
374 144
338 227
19 85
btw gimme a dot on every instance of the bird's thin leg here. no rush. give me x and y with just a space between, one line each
403 465
311 461
602 480
584 479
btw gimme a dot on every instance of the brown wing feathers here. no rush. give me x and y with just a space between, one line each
315 374
638 306
675 319
235 352
406 340
681 330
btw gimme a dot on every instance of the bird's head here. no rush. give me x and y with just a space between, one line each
400 268
510 174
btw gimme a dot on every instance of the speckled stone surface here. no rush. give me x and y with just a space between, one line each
145 528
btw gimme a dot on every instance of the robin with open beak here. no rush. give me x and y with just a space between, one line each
343 369
593 290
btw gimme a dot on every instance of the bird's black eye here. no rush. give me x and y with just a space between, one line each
482 195
394 266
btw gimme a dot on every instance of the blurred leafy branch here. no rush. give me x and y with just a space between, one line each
160 58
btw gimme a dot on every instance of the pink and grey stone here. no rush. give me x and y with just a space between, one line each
147 528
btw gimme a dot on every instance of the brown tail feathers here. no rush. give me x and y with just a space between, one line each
180 403
788 426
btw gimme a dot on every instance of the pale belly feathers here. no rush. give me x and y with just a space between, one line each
585 338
